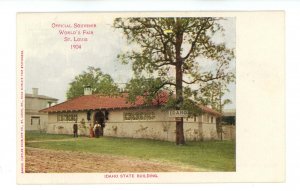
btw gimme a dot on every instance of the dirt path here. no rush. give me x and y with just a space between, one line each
50 161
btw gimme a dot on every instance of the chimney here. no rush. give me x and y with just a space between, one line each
87 90
35 91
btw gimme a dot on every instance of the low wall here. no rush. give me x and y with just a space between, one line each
160 128
66 128
228 132
152 130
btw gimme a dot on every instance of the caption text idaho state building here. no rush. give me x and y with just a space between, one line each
123 119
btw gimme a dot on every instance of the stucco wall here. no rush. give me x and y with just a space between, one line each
161 127
66 127
35 104
228 132
42 126
32 107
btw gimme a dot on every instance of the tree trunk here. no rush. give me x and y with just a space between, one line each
179 123
220 102
179 89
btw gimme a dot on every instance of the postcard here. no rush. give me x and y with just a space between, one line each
150 97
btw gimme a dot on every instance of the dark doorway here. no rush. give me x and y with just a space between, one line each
100 117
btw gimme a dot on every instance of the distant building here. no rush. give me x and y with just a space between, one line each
122 119
228 117
35 120
228 124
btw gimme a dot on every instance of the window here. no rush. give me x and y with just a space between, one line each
35 120
138 116
67 117
212 119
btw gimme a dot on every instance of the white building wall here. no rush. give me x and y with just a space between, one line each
35 104
66 127
36 122
161 127
32 114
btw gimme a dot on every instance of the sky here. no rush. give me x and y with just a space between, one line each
50 63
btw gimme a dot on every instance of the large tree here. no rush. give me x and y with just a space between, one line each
96 79
162 45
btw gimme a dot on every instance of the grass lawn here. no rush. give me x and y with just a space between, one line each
37 136
211 155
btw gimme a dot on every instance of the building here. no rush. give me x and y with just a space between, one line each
123 119
228 124
228 117
35 120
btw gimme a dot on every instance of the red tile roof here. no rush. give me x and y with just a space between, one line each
93 102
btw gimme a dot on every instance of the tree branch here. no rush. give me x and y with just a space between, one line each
196 39
203 80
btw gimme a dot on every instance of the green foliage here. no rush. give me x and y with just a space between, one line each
93 77
160 45
203 156
163 45
212 93
149 88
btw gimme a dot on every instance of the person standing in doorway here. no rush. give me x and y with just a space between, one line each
97 129
75 129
